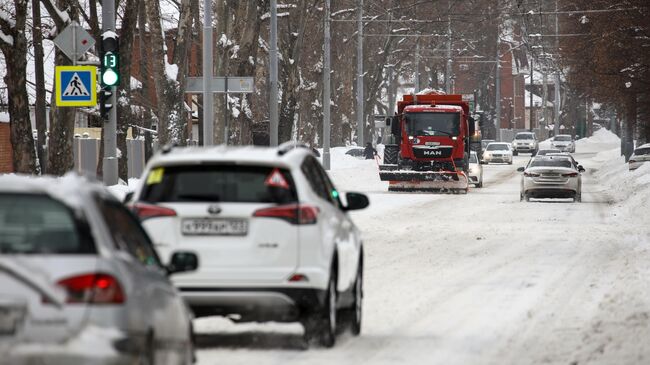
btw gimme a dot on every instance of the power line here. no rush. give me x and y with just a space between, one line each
531 12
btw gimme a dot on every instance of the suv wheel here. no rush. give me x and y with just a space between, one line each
515 153
321 326
352 316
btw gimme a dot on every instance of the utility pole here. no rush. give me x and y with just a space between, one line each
110 174
417 66
360 118
273 74
208 98
326 88
545 99
497 122
556 106
448 63
532 87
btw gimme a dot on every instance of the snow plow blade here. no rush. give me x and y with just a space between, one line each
425 180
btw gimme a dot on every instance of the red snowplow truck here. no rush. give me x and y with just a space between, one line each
431 134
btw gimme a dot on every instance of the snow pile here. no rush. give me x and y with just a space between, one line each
630 190
602 140
355 173
120 190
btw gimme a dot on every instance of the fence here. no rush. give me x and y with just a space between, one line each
86 156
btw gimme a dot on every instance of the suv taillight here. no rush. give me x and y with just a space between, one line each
93 289
145 211
294 213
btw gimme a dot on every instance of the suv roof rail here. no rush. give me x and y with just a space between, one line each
286 147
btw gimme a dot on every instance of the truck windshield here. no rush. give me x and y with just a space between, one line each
433 124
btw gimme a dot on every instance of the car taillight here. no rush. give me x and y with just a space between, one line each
93 289
571 174
531 174
294 213
145 211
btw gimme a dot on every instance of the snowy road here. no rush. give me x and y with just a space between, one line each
479 279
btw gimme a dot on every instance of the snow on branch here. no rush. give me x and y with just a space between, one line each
61 18
5 16
6 38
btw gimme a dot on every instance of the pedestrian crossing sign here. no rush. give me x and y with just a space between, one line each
76 85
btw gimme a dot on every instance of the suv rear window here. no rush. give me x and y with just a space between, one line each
38 224
219 183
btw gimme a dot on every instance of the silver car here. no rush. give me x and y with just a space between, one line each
551 177
641 155
498 152
80 282
564 143
525 142
475 170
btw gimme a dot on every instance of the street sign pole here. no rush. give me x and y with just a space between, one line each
110 172
208 100
273 76
221 85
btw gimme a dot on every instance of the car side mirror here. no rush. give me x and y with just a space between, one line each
521 169
182 261
356 201
581 169
128 197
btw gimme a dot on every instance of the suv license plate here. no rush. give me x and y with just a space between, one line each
218 227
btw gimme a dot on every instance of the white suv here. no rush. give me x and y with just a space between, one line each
525 142
274 239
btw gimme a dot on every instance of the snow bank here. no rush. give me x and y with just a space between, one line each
602 140
120 190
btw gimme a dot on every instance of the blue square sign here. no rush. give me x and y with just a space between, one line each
76 86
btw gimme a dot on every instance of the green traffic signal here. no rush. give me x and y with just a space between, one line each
110 69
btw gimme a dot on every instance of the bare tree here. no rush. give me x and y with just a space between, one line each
13 43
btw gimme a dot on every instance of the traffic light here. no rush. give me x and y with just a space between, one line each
105 104
110 58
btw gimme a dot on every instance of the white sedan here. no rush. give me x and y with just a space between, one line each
498 152
553 176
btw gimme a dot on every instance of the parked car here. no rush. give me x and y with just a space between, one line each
475 170
525 142
551 177
355 152
498 152
76 268
640 156
276 238
564 143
